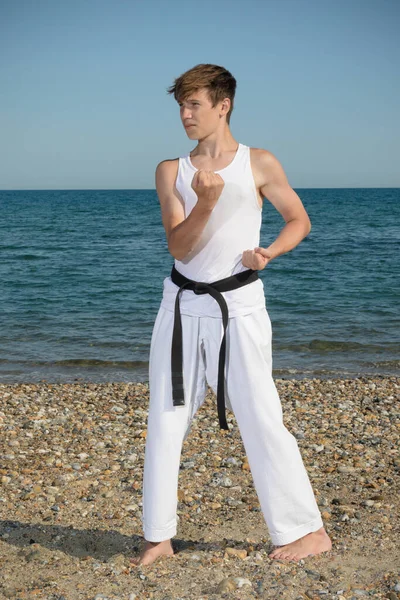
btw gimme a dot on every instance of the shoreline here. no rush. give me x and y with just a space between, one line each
71 466
277 376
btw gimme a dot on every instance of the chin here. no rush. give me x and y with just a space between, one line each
192 133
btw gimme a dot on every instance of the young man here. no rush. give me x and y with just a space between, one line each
213 326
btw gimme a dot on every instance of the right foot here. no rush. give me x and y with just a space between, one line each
152 551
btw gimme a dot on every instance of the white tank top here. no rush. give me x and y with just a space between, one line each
234 226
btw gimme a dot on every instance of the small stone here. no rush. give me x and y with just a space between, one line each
189 464
230 462
345 469
237 552
314 574
32 556
240 582
226 585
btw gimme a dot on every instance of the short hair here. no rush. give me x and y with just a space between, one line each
219 83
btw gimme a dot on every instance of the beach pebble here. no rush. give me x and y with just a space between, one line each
354 479
231 462
226 585
241 581
313 574
368 503
235 552
221 480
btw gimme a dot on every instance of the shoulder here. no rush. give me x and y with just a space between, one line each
265 164
167 171
263 157
168 165
166 175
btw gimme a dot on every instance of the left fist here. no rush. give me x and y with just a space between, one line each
256 259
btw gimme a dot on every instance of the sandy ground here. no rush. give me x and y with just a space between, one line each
71 466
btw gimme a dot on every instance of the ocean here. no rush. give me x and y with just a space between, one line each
81 276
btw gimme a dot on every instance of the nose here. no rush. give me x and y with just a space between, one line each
185 113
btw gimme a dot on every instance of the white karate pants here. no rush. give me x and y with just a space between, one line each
281 481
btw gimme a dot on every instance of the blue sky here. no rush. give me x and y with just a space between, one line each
83 102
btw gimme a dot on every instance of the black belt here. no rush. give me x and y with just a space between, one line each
214 289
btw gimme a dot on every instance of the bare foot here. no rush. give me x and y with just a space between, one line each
152 551
312 543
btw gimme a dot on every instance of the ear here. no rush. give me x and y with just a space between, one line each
224 107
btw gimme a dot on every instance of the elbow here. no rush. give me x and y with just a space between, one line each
175 253
308 227
171 249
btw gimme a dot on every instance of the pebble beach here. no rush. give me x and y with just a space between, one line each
71 466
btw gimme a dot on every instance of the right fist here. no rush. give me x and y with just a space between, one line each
208 187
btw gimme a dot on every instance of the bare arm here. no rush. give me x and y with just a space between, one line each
182 234
278 191
275 187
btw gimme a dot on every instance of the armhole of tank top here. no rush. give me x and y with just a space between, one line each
254 188
178 181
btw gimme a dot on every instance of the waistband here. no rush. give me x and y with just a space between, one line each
215 290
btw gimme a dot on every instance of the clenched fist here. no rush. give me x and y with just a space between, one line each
256 259
208 187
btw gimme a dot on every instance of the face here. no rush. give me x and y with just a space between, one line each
198 116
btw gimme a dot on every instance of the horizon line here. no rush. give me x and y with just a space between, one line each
360 187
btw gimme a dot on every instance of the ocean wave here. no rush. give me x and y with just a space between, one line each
79 362
326 346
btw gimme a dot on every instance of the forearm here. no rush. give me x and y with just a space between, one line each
184 237
290 236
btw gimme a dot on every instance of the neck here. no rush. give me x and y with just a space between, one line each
216 144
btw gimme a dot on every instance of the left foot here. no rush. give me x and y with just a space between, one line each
312 543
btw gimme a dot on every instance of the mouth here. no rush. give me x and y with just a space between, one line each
187 126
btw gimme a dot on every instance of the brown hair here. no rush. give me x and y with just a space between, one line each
218 81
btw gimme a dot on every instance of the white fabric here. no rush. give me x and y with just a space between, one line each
280 479
233 227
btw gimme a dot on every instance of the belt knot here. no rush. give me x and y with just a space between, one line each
201 288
